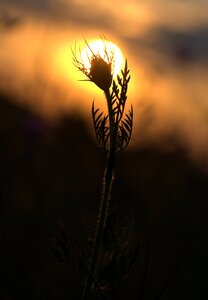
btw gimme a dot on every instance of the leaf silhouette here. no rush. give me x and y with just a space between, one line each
124 132
101 127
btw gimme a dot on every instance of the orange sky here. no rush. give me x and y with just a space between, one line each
165 44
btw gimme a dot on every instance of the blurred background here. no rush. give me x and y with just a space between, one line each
51 167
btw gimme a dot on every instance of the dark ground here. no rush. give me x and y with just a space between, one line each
54 173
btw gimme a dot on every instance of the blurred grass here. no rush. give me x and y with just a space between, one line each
53 172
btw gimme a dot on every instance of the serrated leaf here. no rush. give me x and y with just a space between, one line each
126 125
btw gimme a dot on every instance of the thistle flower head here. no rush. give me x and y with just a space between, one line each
113 130
100 70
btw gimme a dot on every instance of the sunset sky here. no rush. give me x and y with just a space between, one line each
165 42
154 232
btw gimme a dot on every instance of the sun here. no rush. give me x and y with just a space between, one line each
105 49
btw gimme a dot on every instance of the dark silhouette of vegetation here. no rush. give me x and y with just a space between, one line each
46 177
113 132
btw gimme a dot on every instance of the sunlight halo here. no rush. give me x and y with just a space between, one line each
100 47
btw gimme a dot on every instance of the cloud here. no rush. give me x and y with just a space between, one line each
60 12
131 17
188 47
172 109
33 6
167 50
9 19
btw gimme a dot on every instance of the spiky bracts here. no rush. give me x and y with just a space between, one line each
100 71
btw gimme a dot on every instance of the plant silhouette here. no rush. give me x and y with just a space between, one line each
109 254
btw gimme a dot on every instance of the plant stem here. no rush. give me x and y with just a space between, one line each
103 210
111 122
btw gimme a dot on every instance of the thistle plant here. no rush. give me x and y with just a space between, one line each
113 133
110 259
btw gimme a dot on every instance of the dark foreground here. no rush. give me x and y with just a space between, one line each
54 173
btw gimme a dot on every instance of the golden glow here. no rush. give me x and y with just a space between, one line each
100 47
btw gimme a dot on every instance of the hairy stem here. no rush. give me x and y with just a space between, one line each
103 210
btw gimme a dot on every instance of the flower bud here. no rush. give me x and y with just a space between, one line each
101 72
